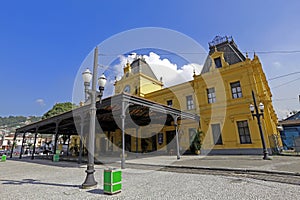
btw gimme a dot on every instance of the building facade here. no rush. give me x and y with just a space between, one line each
220 94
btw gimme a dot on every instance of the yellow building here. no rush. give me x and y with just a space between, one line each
220 94
139 80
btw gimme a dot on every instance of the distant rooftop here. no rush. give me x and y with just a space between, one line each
293 120
293 117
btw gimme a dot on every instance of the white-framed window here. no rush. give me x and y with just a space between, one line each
216 132
211 95
170 103
218 62
189 102
236 90
244 132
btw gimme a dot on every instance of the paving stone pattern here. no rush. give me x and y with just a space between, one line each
43 179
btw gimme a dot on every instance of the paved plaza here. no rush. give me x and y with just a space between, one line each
44 179
278 164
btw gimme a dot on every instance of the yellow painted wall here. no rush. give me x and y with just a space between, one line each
227 111
140 84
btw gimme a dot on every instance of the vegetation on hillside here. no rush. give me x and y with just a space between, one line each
14 121
19 121
59 108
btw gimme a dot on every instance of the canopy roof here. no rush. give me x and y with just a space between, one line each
137 111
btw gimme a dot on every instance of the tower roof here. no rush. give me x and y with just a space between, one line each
140 65
225 44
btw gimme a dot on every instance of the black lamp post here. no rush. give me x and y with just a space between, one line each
258 115
93 93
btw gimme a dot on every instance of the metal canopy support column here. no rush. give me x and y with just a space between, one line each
69 137
125 105
14 143
56 137
35 136
81 138
175 117
136 140
24 133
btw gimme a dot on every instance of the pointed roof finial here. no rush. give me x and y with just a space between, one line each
255 56
127 64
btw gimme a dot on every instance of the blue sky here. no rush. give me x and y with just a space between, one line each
43 43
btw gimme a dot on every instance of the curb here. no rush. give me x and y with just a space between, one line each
221 169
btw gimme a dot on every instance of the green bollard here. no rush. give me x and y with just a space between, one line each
55 157
3 158
112 181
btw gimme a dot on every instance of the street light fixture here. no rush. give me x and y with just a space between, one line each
93 94
87 77
258 115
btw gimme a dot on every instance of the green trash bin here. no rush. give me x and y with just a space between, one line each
55 157
3 158
112 181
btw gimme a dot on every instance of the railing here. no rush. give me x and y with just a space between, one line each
218 40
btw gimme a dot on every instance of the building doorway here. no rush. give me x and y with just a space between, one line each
103 142
127 142
171 143
154 142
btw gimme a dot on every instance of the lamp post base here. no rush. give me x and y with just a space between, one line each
89 180
266 156
123 163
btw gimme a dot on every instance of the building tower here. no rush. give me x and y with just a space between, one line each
138 79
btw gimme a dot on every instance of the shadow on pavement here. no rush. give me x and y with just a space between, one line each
49 162
34 182
96 191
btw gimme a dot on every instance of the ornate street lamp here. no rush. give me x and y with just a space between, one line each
93 94
87 77
258 115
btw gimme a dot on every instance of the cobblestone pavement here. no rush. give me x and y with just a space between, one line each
43 179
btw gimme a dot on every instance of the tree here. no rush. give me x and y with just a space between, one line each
197 142
59 108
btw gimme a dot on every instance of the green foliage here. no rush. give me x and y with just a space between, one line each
59 108
196 143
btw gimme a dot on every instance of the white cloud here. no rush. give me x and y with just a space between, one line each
154 59
170 73
40 102
277 64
